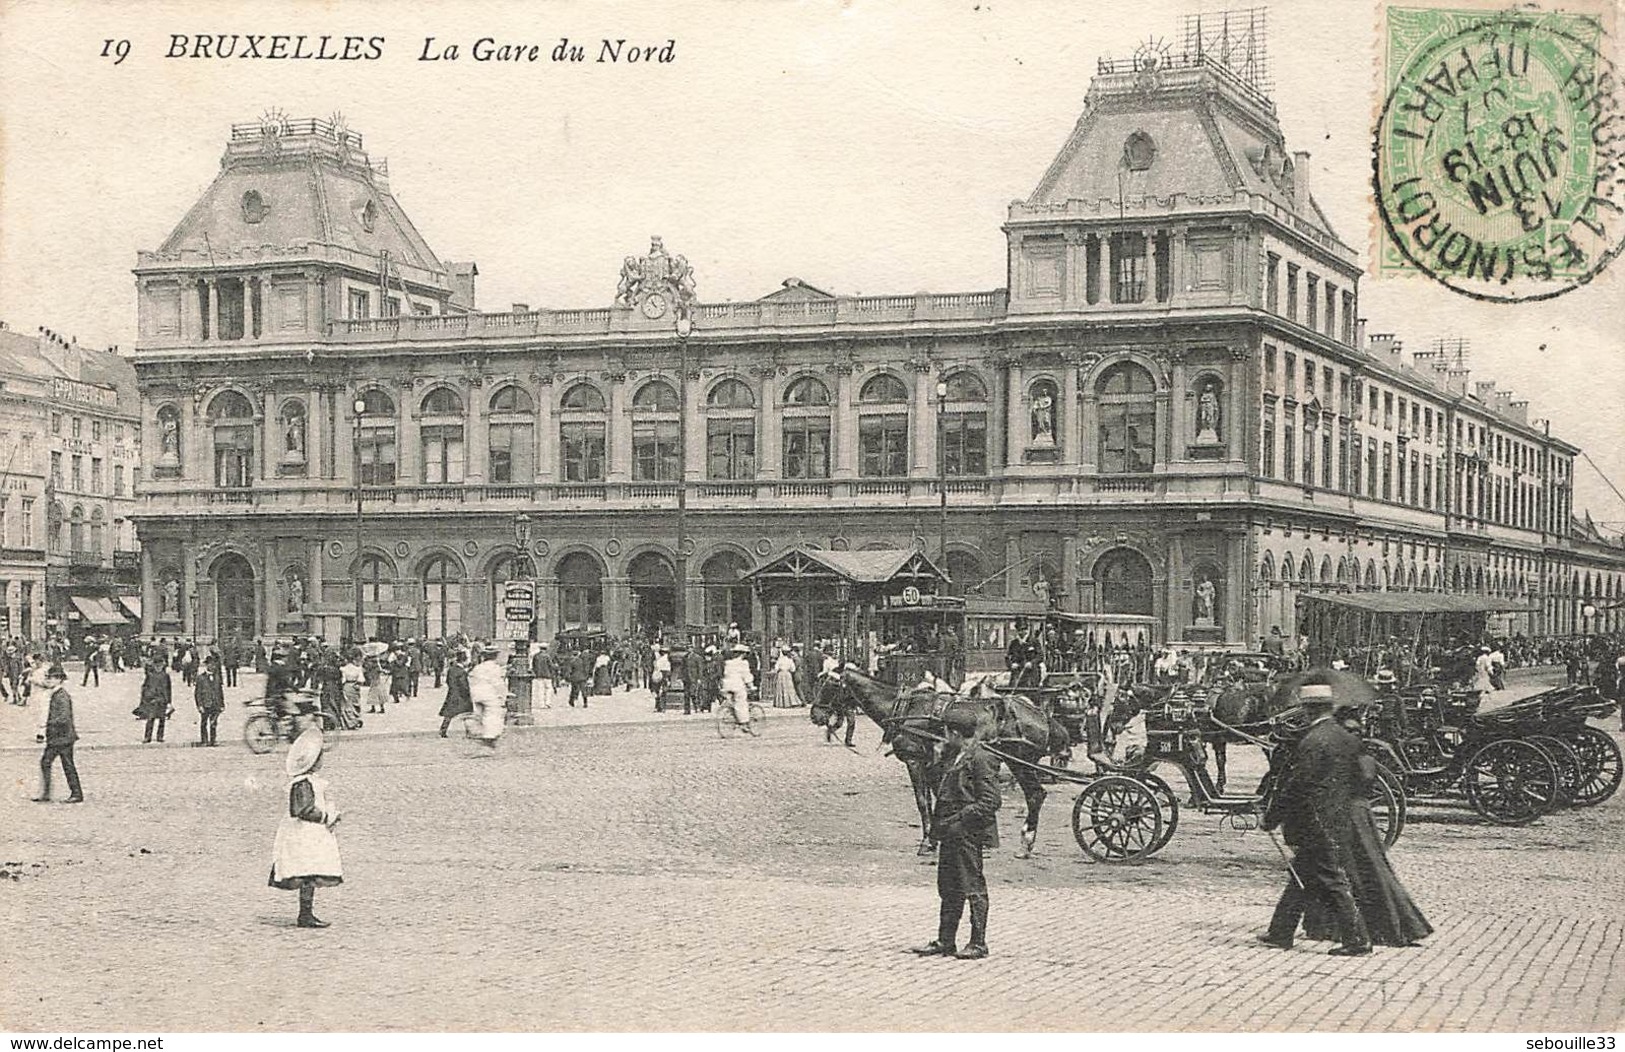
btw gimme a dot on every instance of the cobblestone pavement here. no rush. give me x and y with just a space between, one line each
652 876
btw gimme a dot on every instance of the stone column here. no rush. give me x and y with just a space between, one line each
406 435
1015 415
547 454
846 428
316 437
270 589
214 308
149 591
1012 571
1165 438
922 427
1238 427
316 587
264 451
191 311
1069 423
769 435
617 603
693 453
1069 570
345 468
248 307
1076 289
476 441
1151 266
1108 280
619 468
189 589
195 451
1183 407
1178 262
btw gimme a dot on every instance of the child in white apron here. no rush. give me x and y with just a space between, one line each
306 854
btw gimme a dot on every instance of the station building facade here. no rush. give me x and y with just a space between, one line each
1171 417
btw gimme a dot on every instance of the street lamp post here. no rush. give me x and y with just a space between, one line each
942 474
358 634
1588 611
685 326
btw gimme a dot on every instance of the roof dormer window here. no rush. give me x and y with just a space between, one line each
254 207
369 216
1139 151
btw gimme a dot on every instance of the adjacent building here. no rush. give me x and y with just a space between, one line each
1171 419
70 454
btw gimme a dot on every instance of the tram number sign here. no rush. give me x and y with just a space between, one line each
911 596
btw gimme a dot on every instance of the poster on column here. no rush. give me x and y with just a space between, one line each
518 610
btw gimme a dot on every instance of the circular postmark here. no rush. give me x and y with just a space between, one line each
1497 160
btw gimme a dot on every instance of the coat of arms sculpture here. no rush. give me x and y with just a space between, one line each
656 281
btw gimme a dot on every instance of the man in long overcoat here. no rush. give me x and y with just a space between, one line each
1313 807
964 823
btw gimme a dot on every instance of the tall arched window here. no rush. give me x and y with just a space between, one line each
1128 420
376 579
512 435
806 429
655 412
727 597
581 434
581 591
441 429
963 423
730 431
377 425
966 573
1124 579
76 530
98 527
883 428
231 416
442 598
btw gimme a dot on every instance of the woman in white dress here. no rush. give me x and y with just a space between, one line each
306 854
785 695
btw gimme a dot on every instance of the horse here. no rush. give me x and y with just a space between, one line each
1232 704
911 720
832 716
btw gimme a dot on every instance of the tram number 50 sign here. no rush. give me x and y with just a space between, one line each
911 596
518 609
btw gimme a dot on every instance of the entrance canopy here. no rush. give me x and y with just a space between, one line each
887 566
98 610
1418 602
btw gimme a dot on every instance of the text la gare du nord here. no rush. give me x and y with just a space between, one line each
368 49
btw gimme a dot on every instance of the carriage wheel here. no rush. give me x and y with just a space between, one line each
259 732
1510 781
1387 801
1600 766
1167 806
1569 768
1116 819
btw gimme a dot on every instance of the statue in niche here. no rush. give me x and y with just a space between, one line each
1207 414
293 435
170 607
169 440
1043 416
296 593
1206 596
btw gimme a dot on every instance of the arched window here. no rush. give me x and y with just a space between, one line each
653 584
168 463
1128 420
1325 569
883 428
966 573
232 419
1371 574
806 425
376 579
655 453
581 591
1266 569
1124 579
1289 570
730 431
377 425
727 597
76 530
442 598
962 420
98 525
581 434
511 436
293 434
444 454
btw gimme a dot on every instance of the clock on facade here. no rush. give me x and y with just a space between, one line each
654 305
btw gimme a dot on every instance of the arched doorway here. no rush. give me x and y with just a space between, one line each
1124 579
581 591
654 593
727 598
235 600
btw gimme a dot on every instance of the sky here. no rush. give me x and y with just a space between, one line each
871 146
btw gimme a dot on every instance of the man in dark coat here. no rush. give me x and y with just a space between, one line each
693 678
1025 658
209 694
458 698
155 700
964 823
1314 808
578 669
58 734
543 671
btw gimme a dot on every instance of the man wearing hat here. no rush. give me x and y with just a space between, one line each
1025 658
58 734
964 823
543 671
737 680
1313 806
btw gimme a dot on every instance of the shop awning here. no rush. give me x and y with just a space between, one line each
132 604
97 610
1419 603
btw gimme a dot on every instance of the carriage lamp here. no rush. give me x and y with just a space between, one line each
1588 611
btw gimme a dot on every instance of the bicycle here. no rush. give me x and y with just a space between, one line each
264 729
728 727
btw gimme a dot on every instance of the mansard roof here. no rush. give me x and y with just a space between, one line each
310 183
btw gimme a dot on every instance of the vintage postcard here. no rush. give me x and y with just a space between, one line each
811 517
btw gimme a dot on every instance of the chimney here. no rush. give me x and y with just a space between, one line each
1457 380
1359 332
462 284
1484 391
1503 399
1519 411
521 308
1300 179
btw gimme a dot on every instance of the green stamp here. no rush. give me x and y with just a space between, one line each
1497 155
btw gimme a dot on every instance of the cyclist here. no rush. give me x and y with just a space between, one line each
736 683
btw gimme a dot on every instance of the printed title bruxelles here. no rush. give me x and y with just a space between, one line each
367 49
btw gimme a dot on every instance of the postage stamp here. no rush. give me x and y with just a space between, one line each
1496 158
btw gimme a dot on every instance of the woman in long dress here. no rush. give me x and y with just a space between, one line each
785 695
306 854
